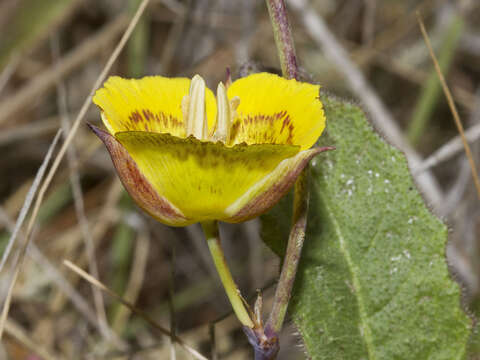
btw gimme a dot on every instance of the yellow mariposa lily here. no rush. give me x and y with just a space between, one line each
185 156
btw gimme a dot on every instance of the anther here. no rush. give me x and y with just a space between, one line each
194 111
224 115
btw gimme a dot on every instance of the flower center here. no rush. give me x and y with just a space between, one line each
195 115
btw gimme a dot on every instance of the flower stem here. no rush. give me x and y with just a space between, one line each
288 61
210 229
292 255
283 38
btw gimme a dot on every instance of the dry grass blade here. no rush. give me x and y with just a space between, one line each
14 330
8 71
134 309
451 104
77 191
40 259
29 199
45 81
63 149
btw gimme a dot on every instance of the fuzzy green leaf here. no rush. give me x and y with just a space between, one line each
373 282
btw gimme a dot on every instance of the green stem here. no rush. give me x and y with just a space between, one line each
210 229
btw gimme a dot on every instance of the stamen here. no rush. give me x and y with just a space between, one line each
224 118
196 117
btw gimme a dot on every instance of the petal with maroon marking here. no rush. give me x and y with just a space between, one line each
138 186
274 110
268 191
153 103
202 178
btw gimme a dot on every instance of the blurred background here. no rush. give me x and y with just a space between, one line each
369 52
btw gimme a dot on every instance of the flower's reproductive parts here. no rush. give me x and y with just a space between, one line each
186 155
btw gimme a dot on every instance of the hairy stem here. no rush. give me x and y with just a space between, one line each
283 38
292 255
210 229
288 60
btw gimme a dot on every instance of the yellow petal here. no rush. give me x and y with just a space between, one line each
138 186
275 110
268 191
202 179
152 103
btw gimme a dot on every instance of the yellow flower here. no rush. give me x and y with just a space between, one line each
185 156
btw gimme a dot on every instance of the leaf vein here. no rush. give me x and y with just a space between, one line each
356 282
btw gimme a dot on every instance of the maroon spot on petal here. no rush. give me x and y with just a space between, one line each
265 132
135 117
147 117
